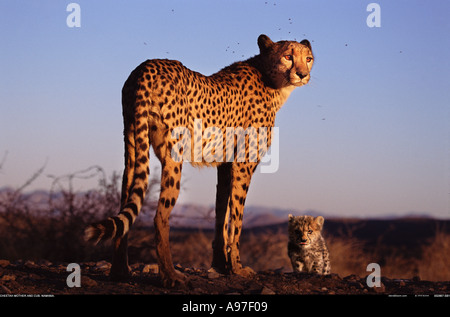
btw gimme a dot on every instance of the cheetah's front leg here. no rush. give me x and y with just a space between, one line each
240 182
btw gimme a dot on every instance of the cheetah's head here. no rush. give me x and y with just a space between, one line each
305 230
286 63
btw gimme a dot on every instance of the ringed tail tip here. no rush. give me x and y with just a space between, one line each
94 233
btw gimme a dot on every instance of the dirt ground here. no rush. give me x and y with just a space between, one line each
44 278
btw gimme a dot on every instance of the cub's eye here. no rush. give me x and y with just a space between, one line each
308 59
298 232
288 57
310 231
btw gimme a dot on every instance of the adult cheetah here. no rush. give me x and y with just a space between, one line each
160 96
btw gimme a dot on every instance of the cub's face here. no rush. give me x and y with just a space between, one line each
287 63
304 230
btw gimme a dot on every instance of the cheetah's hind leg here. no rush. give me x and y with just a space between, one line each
120 271
220 254
170 188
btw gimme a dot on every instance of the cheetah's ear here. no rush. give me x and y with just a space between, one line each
264 42
290 217
306 43
319 220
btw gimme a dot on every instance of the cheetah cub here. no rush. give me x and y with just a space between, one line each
307 248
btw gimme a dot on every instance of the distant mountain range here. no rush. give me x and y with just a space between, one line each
200 216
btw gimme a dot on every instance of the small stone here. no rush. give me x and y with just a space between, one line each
179 267
103 265
4 263
88 282
267 291
8 277
151 268
214 274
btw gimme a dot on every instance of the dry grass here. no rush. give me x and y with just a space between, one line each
347 256
193 250
435 262
268 251
265 251
53 227
53 231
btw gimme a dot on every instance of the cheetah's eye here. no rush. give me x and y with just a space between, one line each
308 59
310 231
288 57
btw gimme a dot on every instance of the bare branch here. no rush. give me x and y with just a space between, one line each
33 177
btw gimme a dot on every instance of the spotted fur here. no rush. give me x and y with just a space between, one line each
161 95
307 248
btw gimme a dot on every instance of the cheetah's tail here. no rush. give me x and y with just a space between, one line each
111 228
117 226
137 161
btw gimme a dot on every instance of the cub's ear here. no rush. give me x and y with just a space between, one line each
306 43
264 42
319 220
290 217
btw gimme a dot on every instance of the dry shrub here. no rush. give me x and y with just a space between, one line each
268 251
53 227
347 256
435 262
395 265
265 251
192 250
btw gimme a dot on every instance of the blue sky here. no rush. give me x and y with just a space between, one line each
368 136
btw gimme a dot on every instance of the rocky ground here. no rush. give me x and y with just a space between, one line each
46 278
